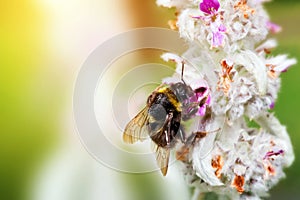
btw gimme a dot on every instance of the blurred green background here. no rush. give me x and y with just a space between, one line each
44 43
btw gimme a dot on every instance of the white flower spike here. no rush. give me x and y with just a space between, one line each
236 83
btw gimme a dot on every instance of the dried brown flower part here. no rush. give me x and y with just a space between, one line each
225 77
242 5
238 183
270 170
217 164
271 72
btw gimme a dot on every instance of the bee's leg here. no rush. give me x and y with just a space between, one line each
191 139
168 132
194 136
181 135
182 70
199 135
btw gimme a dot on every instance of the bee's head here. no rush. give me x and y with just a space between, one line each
161 89
152 98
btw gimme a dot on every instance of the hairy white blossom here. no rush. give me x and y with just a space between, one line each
245 148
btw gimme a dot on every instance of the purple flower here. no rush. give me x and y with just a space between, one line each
202 99
203 104
222 28
270 154
197 101
272 105
209 6
274 28
218 31
217 39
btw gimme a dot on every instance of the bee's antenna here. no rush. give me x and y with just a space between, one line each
182 70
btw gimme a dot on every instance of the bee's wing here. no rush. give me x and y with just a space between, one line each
162 158
136 129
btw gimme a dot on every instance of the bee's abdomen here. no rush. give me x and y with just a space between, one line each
166 136
164 118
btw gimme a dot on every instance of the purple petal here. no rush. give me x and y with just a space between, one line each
193 99
222 28
209 6
274 28
200 91
208 100
272 153
202 111
272 105
217 39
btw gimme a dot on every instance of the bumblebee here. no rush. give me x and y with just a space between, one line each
160 120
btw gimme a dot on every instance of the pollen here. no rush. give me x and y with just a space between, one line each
217 164
238 183
225 77
242 5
